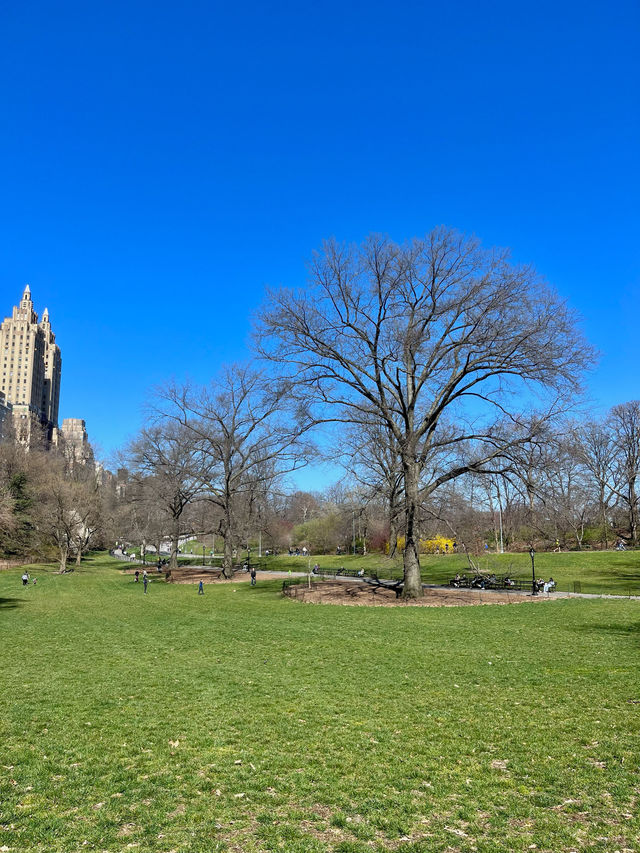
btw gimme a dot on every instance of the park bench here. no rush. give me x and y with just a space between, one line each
396 585
344 573
461 583
523 585
498 582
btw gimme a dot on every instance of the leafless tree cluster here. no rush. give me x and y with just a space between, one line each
47 504
572 486
225 446
449 376
452 351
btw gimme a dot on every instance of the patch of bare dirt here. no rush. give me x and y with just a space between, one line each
329 592
188 574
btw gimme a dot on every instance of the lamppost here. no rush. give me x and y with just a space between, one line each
534 590
203 558
248 559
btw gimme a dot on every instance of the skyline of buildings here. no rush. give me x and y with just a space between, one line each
30 382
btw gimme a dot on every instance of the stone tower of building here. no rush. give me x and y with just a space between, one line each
31 369
75 442
52 371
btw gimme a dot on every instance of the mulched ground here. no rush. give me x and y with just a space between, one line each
194 574
355 592
331 592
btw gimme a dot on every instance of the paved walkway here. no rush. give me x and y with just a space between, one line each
287 574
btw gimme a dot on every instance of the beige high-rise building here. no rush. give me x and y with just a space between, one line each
30 366
75 441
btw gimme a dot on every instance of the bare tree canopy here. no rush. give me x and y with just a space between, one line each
167 468
248 431
624 425
443 343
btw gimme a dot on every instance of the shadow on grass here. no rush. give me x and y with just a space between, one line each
9 603
620 629
630 576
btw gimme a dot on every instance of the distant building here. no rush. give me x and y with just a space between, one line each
74 440
31 369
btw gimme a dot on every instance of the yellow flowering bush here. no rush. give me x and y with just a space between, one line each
439 544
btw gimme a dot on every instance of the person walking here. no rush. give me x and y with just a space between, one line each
253 575
200 588
25 578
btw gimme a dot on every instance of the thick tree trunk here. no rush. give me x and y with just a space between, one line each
78 556
64 554
604 519
496 538
175 536
393 543
412 581
227 562
633 511
393 530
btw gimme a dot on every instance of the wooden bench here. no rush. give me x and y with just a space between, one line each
344 573
380 583
494 582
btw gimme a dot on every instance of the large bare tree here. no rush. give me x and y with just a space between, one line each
624 425
249 430
167 469
596 449
69 513
444 343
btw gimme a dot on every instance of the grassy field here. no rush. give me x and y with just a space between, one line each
242 721
616 572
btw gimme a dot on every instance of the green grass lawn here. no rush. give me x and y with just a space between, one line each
616 572
242 721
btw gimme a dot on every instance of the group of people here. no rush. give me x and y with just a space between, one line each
493 582
145 578
26 578
296 552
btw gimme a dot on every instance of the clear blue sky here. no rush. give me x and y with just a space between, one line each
162 162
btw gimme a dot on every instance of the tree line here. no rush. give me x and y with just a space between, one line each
442 376
52 504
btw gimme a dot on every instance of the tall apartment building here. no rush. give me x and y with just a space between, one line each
75 442
30 371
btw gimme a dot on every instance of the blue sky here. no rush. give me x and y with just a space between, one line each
162 162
